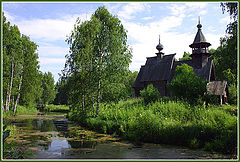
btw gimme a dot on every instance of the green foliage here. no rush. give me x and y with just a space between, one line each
21 75
30 90
186 85
6 133
13 62
98 61
186 56
48 94
168 122
62 93
57 108
225 56
11 150
26 110
232 94
114 92
150 94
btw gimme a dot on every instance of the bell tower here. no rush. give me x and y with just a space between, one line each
199 47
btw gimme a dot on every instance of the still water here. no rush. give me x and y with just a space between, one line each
52 136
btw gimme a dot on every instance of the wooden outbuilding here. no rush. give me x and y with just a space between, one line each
219 88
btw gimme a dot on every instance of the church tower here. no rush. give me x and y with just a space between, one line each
199 47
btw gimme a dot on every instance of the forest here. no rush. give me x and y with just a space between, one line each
96 86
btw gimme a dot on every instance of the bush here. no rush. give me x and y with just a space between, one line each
232 94
187 85
150 94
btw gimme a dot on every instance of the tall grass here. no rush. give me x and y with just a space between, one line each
21 110
169 122
57 108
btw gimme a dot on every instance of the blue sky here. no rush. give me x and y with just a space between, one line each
48 25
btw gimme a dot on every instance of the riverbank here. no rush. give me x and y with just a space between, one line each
52 136
167 122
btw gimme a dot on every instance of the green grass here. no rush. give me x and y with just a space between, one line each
21 110
57 108
170 122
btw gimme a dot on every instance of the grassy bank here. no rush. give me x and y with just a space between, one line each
57 108
21 110
169 122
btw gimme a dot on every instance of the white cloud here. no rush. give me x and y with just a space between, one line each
225 20
53 51
213 39
177 9
130 9
147 18
196 5
203 12
50 29
142 33
51 61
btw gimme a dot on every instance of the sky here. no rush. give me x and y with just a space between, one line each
49 25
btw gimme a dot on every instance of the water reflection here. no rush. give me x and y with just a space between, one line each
58 144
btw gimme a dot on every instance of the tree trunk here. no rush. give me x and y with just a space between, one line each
98 97
2 105
19 88
99 87
10 89
12 102
6 101
93 104
83 103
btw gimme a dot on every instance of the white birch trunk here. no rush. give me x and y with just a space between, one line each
10 89
93 104
19 88
99 87
12 102
98 97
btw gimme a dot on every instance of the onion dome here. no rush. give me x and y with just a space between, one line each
159 47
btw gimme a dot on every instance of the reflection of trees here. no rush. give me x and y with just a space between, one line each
82 144
43 125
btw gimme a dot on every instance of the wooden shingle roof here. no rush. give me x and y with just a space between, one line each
163 69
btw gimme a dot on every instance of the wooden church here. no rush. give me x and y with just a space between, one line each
159 70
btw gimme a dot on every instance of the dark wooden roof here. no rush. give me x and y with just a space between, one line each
199 39
217 87
163 69
155 70
203 73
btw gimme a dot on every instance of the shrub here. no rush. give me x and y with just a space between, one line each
232 94
187 85
150 94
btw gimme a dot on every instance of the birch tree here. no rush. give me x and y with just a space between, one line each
98 53
12 63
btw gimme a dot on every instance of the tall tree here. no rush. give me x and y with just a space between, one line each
31 83
12 64
98 54
226 54
48 93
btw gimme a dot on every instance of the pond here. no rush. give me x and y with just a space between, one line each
52 136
